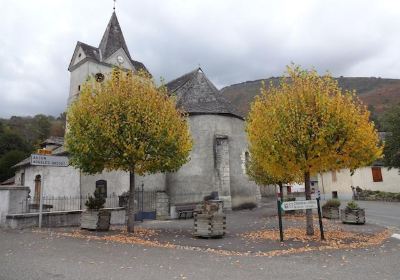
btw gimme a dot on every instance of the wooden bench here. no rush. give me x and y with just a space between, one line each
185 209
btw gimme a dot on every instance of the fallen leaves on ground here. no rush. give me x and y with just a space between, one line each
335 239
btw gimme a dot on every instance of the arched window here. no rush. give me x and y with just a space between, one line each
101 185
247 158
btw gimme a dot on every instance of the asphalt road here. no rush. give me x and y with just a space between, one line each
382 213
28 255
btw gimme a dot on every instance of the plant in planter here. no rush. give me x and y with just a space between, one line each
353 214
330 209
95 217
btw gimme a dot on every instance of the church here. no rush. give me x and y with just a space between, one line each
217 160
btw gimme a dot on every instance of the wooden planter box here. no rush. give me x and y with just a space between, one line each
353 216
209 225
96 219
330 212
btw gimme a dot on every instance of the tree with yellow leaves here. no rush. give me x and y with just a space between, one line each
127 123
256 172
307 125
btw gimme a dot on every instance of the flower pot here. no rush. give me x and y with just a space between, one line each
96 220
330 212
353 216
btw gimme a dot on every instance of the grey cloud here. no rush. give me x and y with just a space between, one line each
233 41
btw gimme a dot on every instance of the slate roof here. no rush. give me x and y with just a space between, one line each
196 94
112 40
24 162
10 181
53 140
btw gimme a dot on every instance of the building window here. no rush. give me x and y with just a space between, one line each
79 87
22 178
246 159
101 186
376 174
334 177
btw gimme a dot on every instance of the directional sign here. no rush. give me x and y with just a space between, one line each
49 160
299 205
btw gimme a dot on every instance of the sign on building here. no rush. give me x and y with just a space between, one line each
46 160
299 205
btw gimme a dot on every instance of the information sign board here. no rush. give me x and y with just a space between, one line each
299 205
46 160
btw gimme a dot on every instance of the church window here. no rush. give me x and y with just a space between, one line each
101 185
79 87
246 158
376 174
79 55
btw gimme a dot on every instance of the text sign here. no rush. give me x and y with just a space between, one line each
299 205
49 160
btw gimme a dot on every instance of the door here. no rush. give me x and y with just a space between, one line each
38 189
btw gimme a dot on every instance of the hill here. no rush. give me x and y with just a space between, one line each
377 93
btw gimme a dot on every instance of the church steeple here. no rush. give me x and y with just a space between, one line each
113 39
91 61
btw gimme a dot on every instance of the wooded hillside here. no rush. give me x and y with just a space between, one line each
378 93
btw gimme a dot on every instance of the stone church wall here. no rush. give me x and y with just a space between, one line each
199 176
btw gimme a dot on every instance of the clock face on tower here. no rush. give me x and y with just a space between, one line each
120 59
99 77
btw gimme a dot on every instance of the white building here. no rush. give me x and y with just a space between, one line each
371 178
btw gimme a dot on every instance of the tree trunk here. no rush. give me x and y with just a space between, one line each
131 202
309 215
280 190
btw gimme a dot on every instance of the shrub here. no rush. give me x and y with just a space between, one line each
334 203
96 202
352 205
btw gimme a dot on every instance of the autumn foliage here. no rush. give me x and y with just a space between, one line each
308 125
127 123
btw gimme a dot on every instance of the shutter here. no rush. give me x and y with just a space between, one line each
376 174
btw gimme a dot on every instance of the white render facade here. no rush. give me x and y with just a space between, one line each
342 180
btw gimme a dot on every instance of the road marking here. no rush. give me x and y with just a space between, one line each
396 235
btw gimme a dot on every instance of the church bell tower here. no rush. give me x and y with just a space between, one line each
88 61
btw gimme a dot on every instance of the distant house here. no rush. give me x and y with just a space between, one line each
60 181
376 177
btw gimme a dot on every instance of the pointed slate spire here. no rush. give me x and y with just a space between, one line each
113 39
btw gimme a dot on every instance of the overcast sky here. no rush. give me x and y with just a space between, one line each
233 41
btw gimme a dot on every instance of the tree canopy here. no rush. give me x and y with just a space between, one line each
127 123
308 125
391 125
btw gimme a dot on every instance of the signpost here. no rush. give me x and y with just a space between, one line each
46 160
299 205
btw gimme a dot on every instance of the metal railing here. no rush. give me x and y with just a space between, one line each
144 201
61 203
